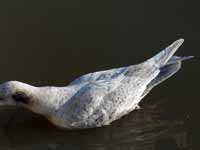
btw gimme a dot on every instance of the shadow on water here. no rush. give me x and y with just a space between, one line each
140 130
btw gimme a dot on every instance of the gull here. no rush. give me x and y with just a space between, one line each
95 99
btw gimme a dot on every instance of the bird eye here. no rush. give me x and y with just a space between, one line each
20 97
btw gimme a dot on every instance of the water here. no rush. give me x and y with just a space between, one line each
53 42
137 131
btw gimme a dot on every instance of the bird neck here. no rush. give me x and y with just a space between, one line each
48 100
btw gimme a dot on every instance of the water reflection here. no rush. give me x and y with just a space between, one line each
139 130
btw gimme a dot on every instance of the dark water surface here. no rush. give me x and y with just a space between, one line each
53 42
137 131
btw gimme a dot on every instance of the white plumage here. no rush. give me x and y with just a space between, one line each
95 99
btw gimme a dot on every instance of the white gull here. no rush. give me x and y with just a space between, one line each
95 99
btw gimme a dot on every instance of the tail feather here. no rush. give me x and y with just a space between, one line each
166 71
167 64
177 58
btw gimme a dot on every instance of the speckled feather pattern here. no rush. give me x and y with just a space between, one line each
99 98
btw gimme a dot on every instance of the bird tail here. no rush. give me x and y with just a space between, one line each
164 56
172 66
167 64
166 71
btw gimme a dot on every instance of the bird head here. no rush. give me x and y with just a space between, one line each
16 93
36 99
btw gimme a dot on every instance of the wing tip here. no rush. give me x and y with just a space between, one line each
175 45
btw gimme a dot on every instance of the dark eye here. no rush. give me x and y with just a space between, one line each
20 97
